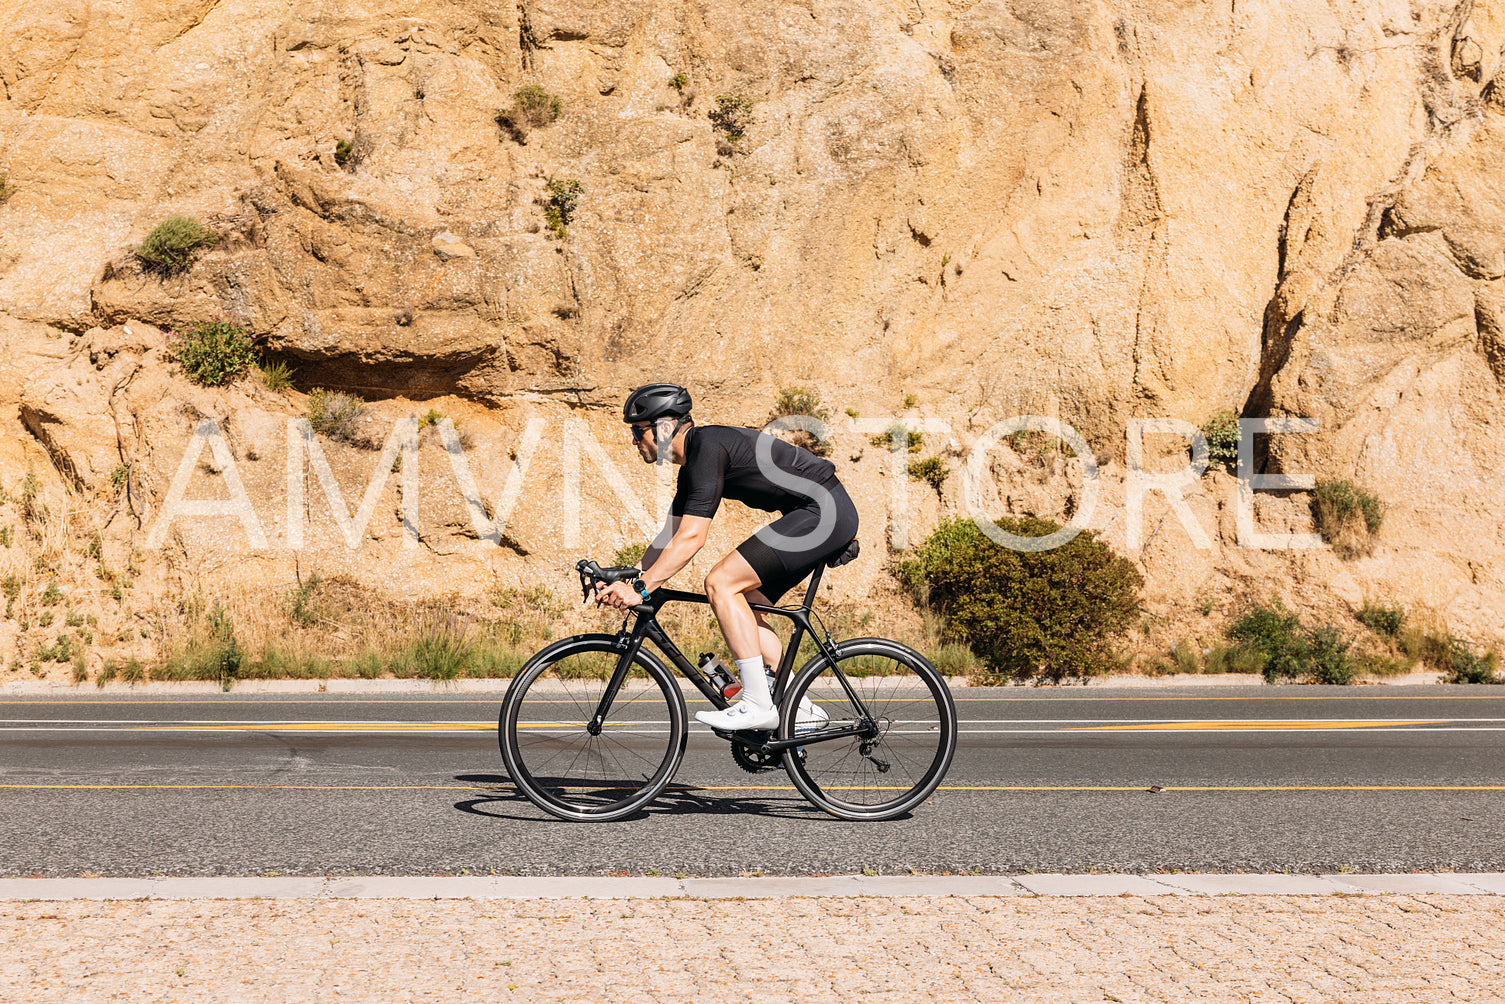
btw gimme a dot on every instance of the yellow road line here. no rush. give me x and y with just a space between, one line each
685 789
188 699
1247 725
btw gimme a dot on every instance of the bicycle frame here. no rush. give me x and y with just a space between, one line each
647 628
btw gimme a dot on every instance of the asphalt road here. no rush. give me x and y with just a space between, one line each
1305 779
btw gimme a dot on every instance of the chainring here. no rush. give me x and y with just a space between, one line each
754 760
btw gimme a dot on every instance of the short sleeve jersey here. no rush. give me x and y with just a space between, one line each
721 461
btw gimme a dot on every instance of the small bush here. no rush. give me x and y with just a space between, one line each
440 651
170 247
564 194
211 651
51 595
1274 639
678 81
1049 614
1327 649
301 609
212 353
1465 666
911 400
1033 446
1231 659
1347 516
628 555
534 108
901 434
932 470
732 116
344 154
802 402
1384 621
120 475
334 414
276 376
1221 433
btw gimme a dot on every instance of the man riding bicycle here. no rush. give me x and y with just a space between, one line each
717 461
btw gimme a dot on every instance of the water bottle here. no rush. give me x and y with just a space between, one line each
736 688
716 670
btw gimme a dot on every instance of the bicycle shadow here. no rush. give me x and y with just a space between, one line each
675 800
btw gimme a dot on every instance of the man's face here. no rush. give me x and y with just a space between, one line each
643 437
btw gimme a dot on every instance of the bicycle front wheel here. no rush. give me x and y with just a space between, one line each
910 730
556 759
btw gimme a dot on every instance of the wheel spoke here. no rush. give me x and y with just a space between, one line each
555 759
884 776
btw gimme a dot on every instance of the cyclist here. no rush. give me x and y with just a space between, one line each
717 461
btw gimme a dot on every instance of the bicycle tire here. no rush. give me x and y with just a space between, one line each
908 757
552 757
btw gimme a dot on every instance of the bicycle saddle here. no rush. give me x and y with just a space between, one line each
845 555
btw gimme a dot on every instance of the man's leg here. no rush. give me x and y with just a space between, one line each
728 586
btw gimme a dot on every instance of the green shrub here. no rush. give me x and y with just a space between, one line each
932 470
334 414
170 247
1274 639
1384 621
799 401
1231 659
212 353
344 154
441 650
1047 614
902 434
628 555
1273 636
911 400
120 474
276 376
211 652
1221 433
732 116
1034 446
1327 649
564 193
301 607
540 107
1465 666
1347 516
533 108
678 81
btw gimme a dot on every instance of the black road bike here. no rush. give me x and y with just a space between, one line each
594 726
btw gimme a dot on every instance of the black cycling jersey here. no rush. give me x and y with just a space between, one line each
721 461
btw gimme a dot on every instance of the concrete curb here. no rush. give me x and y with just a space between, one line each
35 688
649 887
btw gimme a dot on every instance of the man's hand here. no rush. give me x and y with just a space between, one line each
620 595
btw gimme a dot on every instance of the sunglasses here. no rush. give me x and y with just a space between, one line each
639 431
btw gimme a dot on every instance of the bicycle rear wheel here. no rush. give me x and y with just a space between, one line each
557 762
911 737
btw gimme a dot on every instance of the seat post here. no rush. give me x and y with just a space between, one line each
814 585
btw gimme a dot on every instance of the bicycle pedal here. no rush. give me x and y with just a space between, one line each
744 737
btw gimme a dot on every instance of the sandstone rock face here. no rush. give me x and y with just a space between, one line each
1088 211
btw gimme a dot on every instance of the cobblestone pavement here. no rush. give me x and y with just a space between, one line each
1195 948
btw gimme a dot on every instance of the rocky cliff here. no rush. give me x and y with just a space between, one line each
946 212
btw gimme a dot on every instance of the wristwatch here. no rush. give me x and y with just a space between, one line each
642 589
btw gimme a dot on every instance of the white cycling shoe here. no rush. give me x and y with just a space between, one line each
740 716
809 717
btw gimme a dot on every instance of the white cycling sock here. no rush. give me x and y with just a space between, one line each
754 683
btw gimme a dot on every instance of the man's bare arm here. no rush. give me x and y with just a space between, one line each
689 537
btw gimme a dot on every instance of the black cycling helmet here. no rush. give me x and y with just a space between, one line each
656 400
